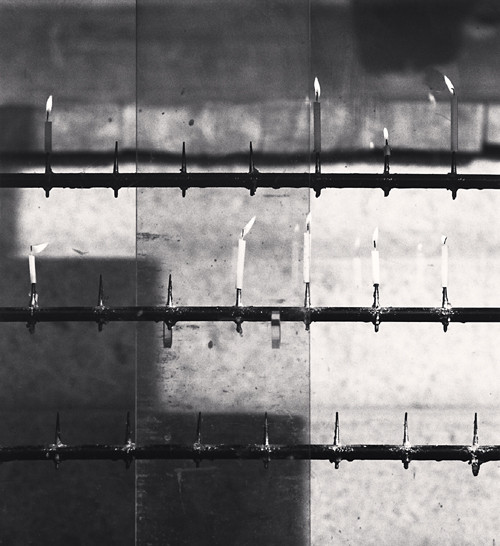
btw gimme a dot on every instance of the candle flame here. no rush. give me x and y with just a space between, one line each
48 105
247 228
449 84
432 98
444 239
308 222
317 88
386 133
375 237
36 249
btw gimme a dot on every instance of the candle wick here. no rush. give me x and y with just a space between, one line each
48 115
317 97
374 244
386 142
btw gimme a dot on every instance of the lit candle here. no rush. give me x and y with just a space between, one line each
387 148
307 250
240 264
444 261
454 114
375 259
34 249
317 116
48 127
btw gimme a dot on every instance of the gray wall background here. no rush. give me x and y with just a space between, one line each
218 75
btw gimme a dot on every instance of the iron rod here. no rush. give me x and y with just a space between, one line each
250 181
210 452
248 314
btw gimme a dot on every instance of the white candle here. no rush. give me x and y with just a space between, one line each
48 127
34 249
240 263
444 261
317 116
375 259
32 266
454 114
307 250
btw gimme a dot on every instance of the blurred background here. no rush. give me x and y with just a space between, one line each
218 75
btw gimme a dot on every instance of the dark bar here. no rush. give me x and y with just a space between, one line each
250 181
253 452
249 314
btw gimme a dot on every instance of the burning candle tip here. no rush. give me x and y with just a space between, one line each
317 89
449 84
48 106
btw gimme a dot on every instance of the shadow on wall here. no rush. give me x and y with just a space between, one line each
395 35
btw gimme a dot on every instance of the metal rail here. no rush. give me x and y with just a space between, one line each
249 181
199 451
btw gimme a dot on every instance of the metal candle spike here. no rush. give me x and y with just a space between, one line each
265 443
129 444
183 168
474 461
115 169
307 262
168 324
406 443
197 443
336 440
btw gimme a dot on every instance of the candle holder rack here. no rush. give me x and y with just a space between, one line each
251 181
199 451
170 314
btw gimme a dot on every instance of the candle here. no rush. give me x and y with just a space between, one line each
375 259
240 263
317 116
34 249
387 148
444 261
454 114
48 127
307 250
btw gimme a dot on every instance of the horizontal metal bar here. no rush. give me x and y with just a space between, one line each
249 181
249 314
253 452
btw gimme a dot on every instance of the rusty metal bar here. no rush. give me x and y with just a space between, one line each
250 181
173 315
199 451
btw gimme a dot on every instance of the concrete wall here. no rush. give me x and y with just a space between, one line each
244 74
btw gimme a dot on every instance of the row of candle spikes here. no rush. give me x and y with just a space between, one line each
200 450
317 137
446 311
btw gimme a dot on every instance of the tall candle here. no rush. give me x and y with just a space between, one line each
48 127
454 114
307 250
34 249
240 263
317 116
375 259
444 261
